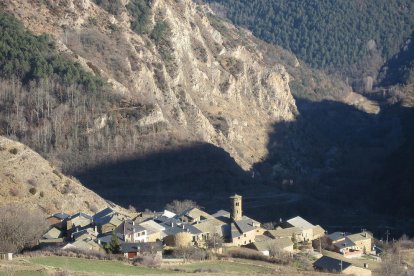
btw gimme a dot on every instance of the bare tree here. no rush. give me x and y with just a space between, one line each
391 264
177 206
20 227
214 241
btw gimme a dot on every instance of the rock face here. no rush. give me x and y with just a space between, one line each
206 79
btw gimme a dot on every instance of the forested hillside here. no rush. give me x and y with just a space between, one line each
400 68
333 34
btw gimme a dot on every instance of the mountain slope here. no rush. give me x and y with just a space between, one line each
28 179
183 80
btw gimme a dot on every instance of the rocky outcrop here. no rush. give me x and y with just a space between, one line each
209 83
41 185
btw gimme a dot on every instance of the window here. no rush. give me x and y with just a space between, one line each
244 235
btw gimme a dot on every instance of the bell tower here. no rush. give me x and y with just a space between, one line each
236 207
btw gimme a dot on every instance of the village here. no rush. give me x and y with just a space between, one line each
159 233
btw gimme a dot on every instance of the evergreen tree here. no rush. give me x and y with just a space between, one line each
114 246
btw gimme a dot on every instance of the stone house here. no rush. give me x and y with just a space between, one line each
154 230
266 247
58 220
305 227
176 231
193 215
279 232
108 219
133 232
362 241
328 264
351 245
77 222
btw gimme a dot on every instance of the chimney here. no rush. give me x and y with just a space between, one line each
183 226
99 242
96 230
365 265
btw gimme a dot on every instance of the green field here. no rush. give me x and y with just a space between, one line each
224 267
96 266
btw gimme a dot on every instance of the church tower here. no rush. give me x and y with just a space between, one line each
236 207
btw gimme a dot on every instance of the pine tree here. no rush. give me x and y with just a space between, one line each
114 245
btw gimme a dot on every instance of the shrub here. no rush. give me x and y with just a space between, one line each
147 260
57 173
33 190
140 11
244 253
14 217
177 206
31 182
14 191
161 36
14 151
112 6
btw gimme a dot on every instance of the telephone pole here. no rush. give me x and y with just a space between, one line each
387 233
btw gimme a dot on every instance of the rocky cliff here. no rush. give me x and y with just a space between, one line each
204 79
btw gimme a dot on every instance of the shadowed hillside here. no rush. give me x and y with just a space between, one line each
329 159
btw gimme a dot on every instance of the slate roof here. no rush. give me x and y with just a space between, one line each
240 227
114 218
84 244
61 216
337 236
167 221
80 214
53 233
345 243
212 226
195 214
103 213
179 228
284 232
261 238
152 227
222 215
318 231
360 236
281 244
88 231
141 247
300 223
129 227
330 264
106 238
